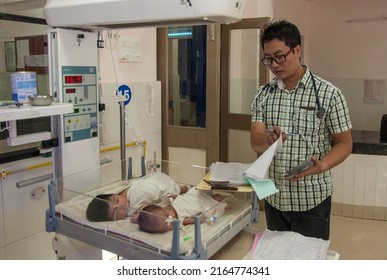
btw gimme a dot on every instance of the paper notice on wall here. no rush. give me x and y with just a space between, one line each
374 91
22 50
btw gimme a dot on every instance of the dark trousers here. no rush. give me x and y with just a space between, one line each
313 223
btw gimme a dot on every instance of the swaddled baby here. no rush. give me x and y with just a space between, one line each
151 188
155 218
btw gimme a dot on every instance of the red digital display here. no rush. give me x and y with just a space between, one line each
70 90
73 79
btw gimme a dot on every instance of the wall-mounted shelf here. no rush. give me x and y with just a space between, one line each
27 111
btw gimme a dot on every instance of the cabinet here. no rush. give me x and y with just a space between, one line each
22 212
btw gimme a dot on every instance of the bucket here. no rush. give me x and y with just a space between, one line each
23 84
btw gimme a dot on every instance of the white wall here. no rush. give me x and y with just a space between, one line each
143 113
348 50
350 53
133 71
344 53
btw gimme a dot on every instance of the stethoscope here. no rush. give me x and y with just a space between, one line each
320 111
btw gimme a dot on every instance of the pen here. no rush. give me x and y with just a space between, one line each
286 133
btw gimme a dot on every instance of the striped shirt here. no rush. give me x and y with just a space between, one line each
296 111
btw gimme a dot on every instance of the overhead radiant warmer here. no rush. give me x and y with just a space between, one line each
99 14
74 59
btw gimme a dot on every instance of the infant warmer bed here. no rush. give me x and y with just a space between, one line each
69 197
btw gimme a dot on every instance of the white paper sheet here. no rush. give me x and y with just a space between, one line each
258 170
254 174
288 245
230 171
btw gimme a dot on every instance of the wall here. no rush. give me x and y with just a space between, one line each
145 105
112 70
361 187
350 53
344 53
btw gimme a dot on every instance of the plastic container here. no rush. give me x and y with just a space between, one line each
23 85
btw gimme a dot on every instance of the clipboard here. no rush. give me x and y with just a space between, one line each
202 185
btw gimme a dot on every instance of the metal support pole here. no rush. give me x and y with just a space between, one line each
122 140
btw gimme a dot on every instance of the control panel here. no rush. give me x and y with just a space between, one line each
80 89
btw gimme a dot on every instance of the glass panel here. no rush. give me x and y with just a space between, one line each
23 47
244 69
187 76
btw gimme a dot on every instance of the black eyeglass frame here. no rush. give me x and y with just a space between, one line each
277 58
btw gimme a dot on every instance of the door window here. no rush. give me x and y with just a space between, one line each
187 76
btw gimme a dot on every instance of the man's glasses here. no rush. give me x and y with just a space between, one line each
280 58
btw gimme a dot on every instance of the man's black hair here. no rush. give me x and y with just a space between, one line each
281 30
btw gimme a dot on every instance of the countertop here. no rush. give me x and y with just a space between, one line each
368 142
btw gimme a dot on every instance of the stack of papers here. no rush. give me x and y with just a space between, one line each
288 245
230 171
254 174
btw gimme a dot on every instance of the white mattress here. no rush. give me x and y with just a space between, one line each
75 209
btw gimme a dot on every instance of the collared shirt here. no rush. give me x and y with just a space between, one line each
296 111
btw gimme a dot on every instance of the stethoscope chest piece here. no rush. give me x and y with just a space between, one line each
320 113
320 110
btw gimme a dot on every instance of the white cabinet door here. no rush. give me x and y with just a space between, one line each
24 211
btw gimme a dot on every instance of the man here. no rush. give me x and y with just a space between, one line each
311 116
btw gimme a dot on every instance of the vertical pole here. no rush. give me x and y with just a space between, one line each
122 140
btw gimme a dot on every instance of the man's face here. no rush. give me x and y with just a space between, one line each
284 60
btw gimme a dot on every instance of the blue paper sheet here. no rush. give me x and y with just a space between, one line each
263 188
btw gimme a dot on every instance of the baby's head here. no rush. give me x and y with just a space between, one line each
107 207
154 218
98 208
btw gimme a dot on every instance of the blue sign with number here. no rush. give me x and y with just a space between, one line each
125 91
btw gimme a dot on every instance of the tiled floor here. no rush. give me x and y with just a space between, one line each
353 239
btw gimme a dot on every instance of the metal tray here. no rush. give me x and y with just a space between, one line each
40 100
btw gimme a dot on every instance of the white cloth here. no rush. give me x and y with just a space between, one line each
151 188
195 202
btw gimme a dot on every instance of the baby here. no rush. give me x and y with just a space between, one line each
151 188
155 218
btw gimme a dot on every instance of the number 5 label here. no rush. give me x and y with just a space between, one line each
125 91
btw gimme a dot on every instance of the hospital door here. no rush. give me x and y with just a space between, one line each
209 76
188 63
241 74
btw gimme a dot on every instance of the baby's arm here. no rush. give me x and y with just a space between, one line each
134 218
183 189
191 220
188 221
